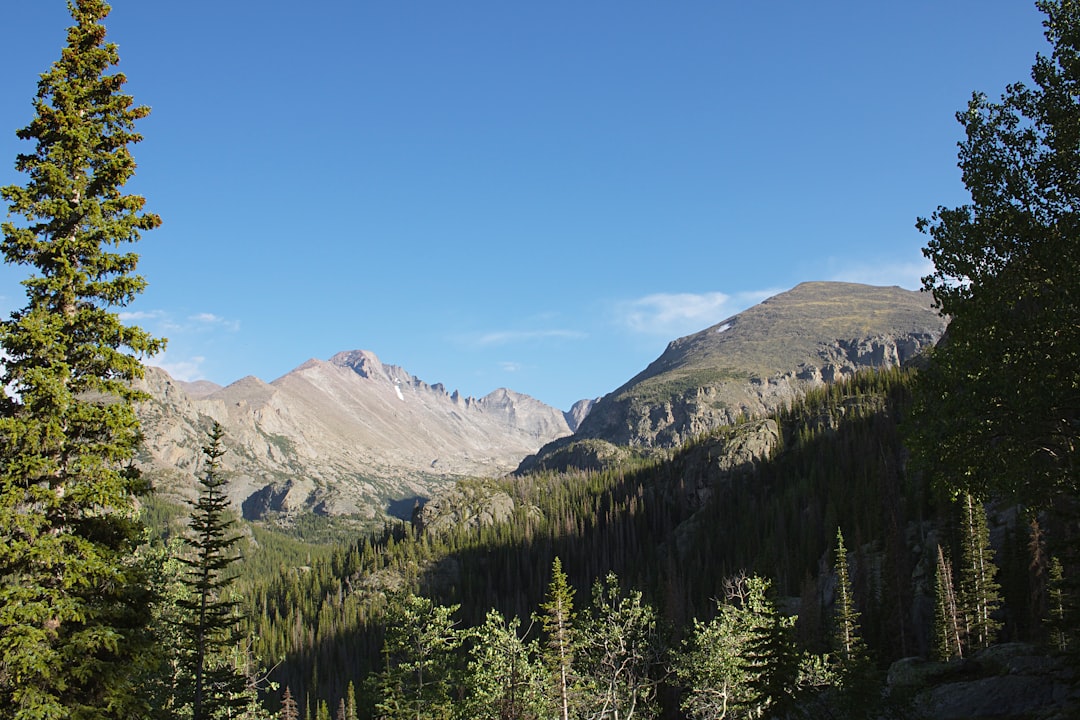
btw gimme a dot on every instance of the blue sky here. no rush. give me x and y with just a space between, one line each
537 196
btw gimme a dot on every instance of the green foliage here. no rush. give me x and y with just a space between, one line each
859 688
558 620
1057 620
671 386
948 632
73 602
211 620
847 638
505 677
621 655
999 405
979 590
669 527
711 663
420 675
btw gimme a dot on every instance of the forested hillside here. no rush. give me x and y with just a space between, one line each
675 530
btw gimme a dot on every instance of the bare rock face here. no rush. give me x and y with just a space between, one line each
471 504
345 436
756 362
1012 681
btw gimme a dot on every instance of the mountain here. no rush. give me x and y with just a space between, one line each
347 436
750 365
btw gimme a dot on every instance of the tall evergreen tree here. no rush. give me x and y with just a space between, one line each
73 608
847 638
212 619
948 633
558 620
289 709
350 702
979 590
1058 615
859 688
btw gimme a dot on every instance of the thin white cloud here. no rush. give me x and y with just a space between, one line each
905 274
140 315
510 366
163 321
187 370
677 314
516 336
206 319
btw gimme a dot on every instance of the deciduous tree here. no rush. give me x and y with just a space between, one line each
505 679
620 654
999 405
420 646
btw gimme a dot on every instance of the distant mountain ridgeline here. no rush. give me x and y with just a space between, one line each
345 437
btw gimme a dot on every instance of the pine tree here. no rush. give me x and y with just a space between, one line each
847 638
859 687
73 607
289 709
558 622
948 642
1057 616
212 619
350 702
979 590
770 657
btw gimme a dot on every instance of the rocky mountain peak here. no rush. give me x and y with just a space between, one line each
753 363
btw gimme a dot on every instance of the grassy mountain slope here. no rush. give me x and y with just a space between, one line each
758 361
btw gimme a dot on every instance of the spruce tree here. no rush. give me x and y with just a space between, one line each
947 625
558 622
73 606
289 709
847 638
212 616
979 590
350 702
859 687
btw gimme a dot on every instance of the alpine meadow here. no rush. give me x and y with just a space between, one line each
846 501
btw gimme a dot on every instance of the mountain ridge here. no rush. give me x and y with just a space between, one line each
344 436
750 365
